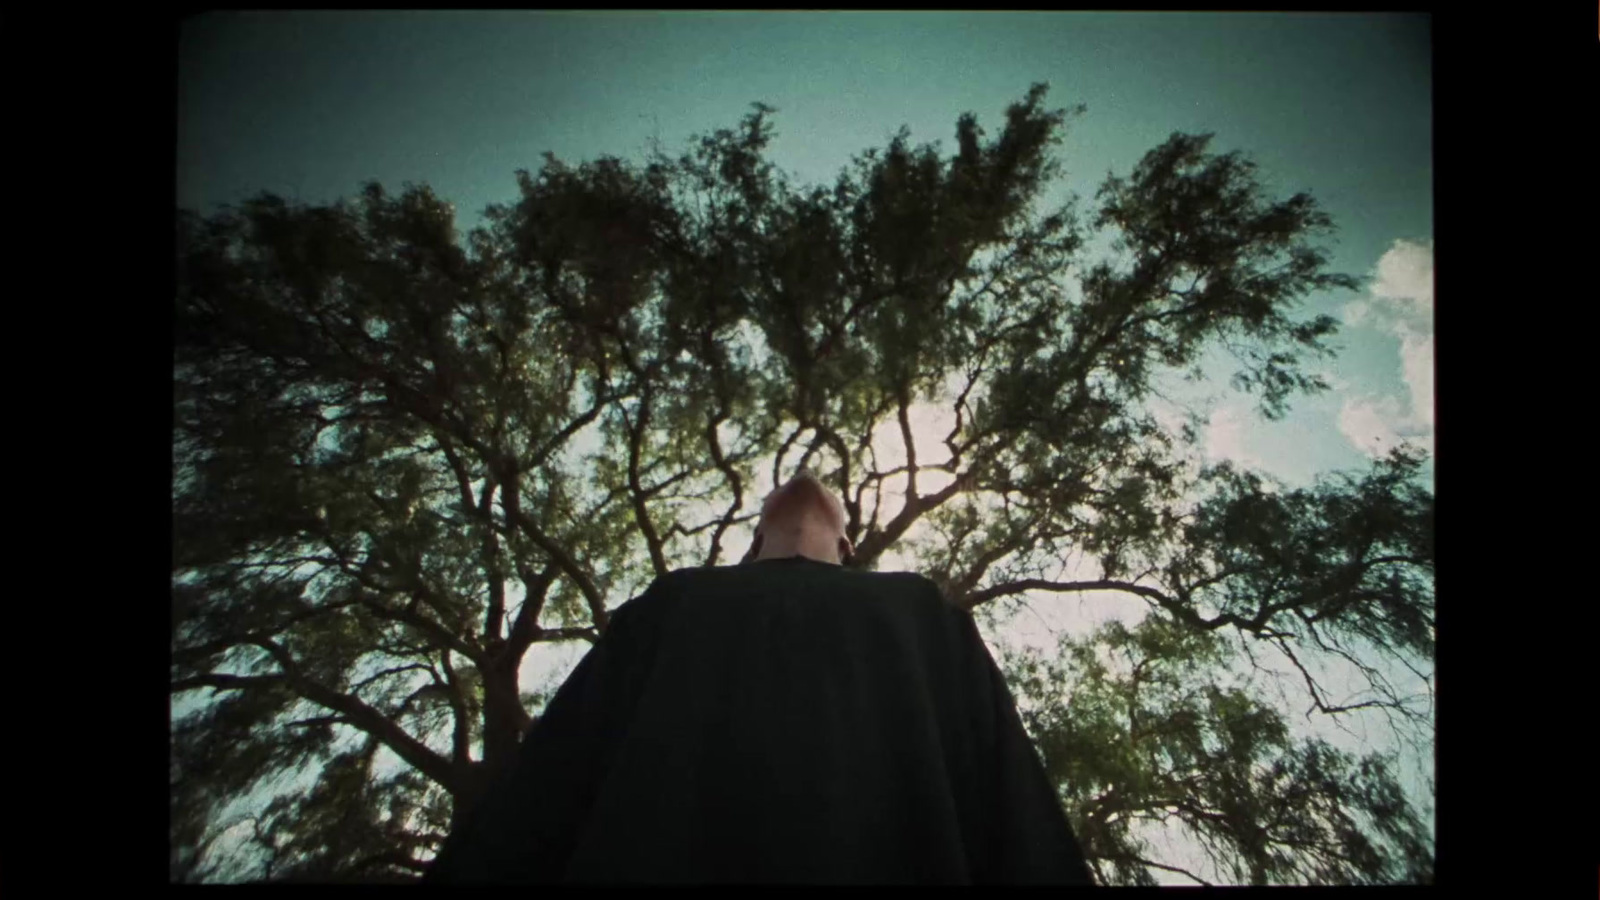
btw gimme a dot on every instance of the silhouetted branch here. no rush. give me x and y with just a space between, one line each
641 512
569 566
364 717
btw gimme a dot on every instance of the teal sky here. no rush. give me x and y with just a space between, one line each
310 105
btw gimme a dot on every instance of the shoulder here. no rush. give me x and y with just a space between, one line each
911 582
663 591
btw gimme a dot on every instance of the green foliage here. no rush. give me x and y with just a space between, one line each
1145 732
403 456
1214 259
349 822
1351 558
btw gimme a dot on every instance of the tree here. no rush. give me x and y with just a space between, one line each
1151 728
380 499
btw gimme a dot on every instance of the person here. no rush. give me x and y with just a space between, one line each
786 720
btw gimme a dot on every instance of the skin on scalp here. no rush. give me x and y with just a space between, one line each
802 518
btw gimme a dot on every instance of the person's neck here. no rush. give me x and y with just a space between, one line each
809 543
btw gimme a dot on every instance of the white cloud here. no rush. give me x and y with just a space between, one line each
1225 438
1416 367
1356 312
1401 303
1376 425
1405 279
1368 423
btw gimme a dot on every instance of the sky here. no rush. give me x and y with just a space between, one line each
312 105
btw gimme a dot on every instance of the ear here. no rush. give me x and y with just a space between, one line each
847 551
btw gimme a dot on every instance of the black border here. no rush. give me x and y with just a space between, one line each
101 91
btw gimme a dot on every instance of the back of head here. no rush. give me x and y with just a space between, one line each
801 518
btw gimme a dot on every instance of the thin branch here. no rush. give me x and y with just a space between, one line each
964 585
721 523
318 720
538 456
1039 584
731 475
641 512
1316 695
1131 857
458 466
360 715
569 566
218 681
548 635
960 408
875 543
783 450
385 673
410 616
910 445
525 630
838 444
460 735
187 655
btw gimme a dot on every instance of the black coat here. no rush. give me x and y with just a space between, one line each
784 721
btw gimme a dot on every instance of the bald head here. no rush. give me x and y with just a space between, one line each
801 518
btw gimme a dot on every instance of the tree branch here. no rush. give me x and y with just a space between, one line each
189 655
525 630
1316 695
385 673
444 637
910 445
876 542
960 410
964 585
1130 857
458 466
571 428
569 566
837 443
1039 584
459 738
218 681
418 588
360 715
731 475
783 450
641 512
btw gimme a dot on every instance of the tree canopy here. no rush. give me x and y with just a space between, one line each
401 458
